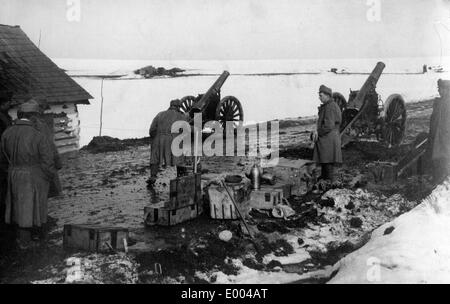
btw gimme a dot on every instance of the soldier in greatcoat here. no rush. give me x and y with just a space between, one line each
327 147
161 138
31 167
439 136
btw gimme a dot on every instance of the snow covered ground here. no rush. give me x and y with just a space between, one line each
131 104
414 248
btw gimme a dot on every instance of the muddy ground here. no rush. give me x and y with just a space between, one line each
109 188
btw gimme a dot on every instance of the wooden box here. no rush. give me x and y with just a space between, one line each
94 237
185 191
164 215
220 204
295 172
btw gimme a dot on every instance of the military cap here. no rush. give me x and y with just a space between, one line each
325 90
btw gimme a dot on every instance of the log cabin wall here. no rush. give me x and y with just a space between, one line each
65 122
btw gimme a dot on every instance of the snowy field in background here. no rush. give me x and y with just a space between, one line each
131 104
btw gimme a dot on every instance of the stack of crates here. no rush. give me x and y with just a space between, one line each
185 202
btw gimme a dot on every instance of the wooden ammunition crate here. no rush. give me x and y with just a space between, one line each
185 191
94 237
294 172
220 204
164 215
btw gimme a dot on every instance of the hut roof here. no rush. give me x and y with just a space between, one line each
27 72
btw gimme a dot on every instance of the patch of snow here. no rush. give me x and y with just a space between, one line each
413 248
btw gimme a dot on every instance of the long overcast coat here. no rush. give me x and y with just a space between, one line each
161 137
31 167
440 130
327 149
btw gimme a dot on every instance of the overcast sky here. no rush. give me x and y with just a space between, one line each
233 29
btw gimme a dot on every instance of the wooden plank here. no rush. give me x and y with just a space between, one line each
161 214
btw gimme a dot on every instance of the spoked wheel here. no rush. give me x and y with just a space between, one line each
186 104
229 109
394 120
340 100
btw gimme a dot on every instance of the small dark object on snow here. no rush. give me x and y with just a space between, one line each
350 206
356 222
389 230
300 241
274 263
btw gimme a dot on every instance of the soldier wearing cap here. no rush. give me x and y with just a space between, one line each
439 136
31 167
327 140
161 138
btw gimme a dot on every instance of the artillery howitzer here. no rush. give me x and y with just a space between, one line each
212 107
365 114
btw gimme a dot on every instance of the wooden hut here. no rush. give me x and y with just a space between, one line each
27 72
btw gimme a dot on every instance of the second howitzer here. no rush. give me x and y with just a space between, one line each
365 114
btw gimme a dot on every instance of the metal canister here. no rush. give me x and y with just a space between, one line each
255 176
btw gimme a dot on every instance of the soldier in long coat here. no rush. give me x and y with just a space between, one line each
327 147
161 137
439 136
31 167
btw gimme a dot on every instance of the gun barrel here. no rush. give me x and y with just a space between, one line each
214 89
358 102
368 85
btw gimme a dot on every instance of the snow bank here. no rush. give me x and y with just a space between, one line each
413 248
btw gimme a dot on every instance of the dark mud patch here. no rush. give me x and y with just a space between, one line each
185 260
102 144
297 152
